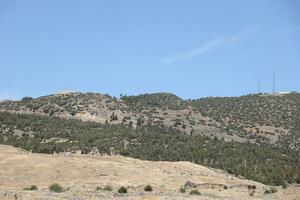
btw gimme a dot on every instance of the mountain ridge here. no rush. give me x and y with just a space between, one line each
256 118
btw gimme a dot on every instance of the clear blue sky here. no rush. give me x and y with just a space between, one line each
193 48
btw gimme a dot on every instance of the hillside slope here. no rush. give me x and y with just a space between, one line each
270 118
81 175
260 119
44 134
159 109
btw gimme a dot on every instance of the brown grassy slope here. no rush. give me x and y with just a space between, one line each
81 175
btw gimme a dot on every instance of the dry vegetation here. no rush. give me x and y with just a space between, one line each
87 176
157 127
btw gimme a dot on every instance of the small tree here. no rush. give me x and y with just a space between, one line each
284 185
55 187
33 187
273 190
189 184
267 192
27 99
113 117
148 188
139 123
195 192
182 189
130 125
122 190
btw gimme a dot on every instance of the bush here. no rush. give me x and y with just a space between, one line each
107 188
182 189
189 184
195 192
33 187
122 190
251 187
225 187
284 185
148 188
267 192
273 190
55 187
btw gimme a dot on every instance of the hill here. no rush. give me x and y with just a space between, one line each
86 177
44 134
160 100
259 119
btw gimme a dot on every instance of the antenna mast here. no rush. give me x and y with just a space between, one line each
274 88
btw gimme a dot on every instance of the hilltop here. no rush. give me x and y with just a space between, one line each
259 119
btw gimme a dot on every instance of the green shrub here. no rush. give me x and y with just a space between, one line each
182 189
267 192
55 187
273 190
284 185
33 187
225 187
189 184
148 188
195 192
122 190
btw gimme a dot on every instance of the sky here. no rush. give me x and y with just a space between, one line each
194 48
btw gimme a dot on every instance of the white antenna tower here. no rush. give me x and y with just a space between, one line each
274 86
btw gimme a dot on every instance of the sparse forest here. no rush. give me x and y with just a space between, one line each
257 118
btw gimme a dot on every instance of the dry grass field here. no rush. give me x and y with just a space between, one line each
81 175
